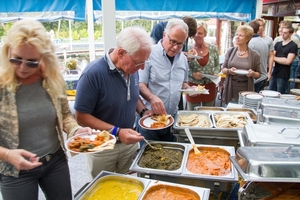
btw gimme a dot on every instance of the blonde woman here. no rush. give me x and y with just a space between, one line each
34 112
208 64
243 59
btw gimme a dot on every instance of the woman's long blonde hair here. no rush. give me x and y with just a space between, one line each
31 32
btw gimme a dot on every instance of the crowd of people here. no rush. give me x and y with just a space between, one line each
141 76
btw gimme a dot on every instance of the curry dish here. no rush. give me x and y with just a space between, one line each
115 189
168 192
211 161
164 159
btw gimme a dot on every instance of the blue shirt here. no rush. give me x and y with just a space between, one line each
165 79
103 92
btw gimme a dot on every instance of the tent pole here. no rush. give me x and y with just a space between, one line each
109 24
70 35
90 16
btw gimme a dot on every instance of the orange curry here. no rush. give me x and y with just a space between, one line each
210 162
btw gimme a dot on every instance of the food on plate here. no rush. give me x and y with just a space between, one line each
200 87
115 189
195 120
163 159
211 161
298 98
157 125
169 192
230 121
160 121
84 144
192 52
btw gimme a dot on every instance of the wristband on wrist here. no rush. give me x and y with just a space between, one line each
115 131
118 131
143 111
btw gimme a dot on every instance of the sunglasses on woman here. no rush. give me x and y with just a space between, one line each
29 63
17 61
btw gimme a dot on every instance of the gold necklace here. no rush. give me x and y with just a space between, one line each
239 53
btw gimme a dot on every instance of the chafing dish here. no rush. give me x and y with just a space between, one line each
267 135
197 192
182 176
177 147
215 136
252 113
277 111
267 190
207 108
203 114
268 164
245 116
270 172
85 192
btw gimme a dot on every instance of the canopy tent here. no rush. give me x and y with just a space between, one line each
165 9
109 10
46 10
53 10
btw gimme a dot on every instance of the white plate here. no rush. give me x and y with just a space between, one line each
145 122
194 91
270 93
192 56
253 97
111 142
241 71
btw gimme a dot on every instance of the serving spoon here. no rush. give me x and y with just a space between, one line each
188 133
151 146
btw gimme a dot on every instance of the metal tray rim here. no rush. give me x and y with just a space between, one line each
247 177
175 125
248 119
134 166
232 176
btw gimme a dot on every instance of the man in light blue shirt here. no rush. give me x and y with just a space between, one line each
163 77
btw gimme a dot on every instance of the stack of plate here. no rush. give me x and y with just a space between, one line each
242 95
251 100
270 93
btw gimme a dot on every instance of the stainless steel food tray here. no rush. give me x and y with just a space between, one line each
204 114
266 135
146 184
277 110
103 176
245 114
252 113
182 172
202 192
166 145
208 108
268 164
232 176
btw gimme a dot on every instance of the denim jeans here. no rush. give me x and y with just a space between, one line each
52 177
294 71
260 85
279 85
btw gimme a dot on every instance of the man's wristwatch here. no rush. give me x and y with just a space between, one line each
143 111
